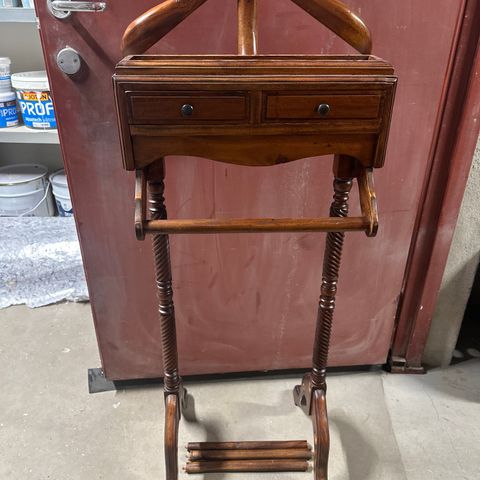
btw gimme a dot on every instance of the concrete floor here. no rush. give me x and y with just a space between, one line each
382 426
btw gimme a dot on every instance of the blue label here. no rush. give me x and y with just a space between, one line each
8 114
37 109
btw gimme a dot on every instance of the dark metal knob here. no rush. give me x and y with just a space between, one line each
323 109
187 110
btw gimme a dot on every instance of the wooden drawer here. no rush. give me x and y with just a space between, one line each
149 108
306 107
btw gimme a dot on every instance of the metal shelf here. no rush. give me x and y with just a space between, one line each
17 14
23 134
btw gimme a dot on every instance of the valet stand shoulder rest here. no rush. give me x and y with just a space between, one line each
252 110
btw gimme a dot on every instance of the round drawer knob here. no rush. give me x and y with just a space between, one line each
323 109
187 110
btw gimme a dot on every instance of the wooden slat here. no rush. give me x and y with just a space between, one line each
249 445
257 225
247 466
251 454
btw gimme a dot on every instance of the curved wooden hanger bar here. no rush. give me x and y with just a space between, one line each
146 30
336 16
150 27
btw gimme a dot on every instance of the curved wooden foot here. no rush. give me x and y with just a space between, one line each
302 394
321 435
172 419
183 396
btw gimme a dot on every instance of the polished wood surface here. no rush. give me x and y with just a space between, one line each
140 203
331 268
247 466
252 225
249 445
224 64
170 443
167 109
163 277
247 27
303 107
251 112
254 110
321 435
261 454
154 24
368 222
335 15
212 107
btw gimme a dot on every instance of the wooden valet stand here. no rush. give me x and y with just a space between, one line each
252 110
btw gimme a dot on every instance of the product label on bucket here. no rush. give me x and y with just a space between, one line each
8 114
37 109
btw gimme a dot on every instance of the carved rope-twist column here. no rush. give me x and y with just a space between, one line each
331 266
163 273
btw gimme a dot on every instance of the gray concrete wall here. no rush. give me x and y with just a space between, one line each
459 274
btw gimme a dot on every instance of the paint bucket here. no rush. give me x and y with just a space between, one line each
25 191
33 95
61 193
8 110
5 76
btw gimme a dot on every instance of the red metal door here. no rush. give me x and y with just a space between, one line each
243 302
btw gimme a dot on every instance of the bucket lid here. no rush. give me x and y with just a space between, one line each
22 173
59 178
6 96
30 80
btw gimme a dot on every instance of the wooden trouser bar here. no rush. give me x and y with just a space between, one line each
256 225
368 222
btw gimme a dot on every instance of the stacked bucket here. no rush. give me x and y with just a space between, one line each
26 189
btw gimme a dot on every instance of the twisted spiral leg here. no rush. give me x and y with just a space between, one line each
161 251
331 267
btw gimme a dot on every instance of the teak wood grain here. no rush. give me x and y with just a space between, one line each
335 15
250 445
154 24
247 466
247 27
253 110
265 454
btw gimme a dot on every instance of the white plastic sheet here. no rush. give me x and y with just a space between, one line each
40 261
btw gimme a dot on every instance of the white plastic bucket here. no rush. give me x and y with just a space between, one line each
33 95
30 204
25 191
8 109
5 76
64 206
61 193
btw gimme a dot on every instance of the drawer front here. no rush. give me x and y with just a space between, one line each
179 109
321 107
